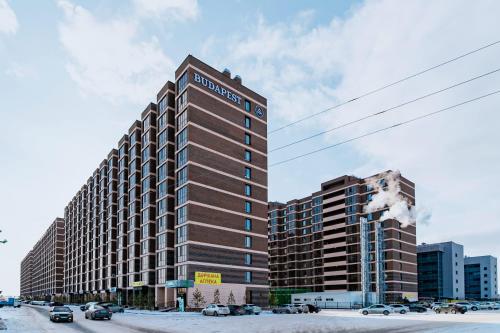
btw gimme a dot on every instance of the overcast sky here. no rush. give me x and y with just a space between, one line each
75 74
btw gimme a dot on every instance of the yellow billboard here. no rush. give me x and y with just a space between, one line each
137 284
213 279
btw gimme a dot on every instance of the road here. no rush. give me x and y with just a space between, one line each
34 319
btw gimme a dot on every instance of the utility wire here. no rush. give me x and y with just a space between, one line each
384 129
384 111
371 92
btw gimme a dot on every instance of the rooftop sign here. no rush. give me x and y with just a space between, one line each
216 88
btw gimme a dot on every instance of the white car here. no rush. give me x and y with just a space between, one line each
400 308
377 309
489 306
285 308
434 305
301 308
215 310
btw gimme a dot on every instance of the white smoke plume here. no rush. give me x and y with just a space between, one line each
388 195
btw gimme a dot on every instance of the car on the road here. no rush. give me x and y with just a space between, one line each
313 308
215 310
61 313
98 312
450 308
115 308
236 310
400 308
86 306
285 308
301 308
252 309
489 306
377 309
468 305
436 304
417 308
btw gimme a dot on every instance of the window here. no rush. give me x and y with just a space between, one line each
182 195
161 241
182 120
248 259
162 121
145 154
181 255
248 207
248 277
146 123
248 156
162 172
145 168
182 101
248 139
248 173
182 176
248 122
248 224
248 106
162 189
182 157
145 184
162 155
248 190
181 234
162 206
182 82
181 139
248 242
181 215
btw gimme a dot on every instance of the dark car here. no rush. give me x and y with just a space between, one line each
56 304
61 313
313 308
417 308
98 312
236 310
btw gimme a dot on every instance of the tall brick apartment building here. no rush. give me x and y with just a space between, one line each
314 242
184 193
42 268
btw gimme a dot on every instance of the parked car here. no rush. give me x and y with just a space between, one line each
436 304
85 307
301 308
113 307
252 309
52 304
489 306
285 308
236 310
450 308
215 310
313 308
61 313
400 308
468 305
377 309
98 312
417 308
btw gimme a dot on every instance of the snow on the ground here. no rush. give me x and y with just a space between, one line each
325 321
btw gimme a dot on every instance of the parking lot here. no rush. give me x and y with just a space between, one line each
34 319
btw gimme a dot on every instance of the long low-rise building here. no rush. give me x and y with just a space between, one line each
42 270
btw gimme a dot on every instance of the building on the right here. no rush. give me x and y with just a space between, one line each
480 277
441 270
316 242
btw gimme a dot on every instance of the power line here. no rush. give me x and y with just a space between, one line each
371 92
384 111
384 129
